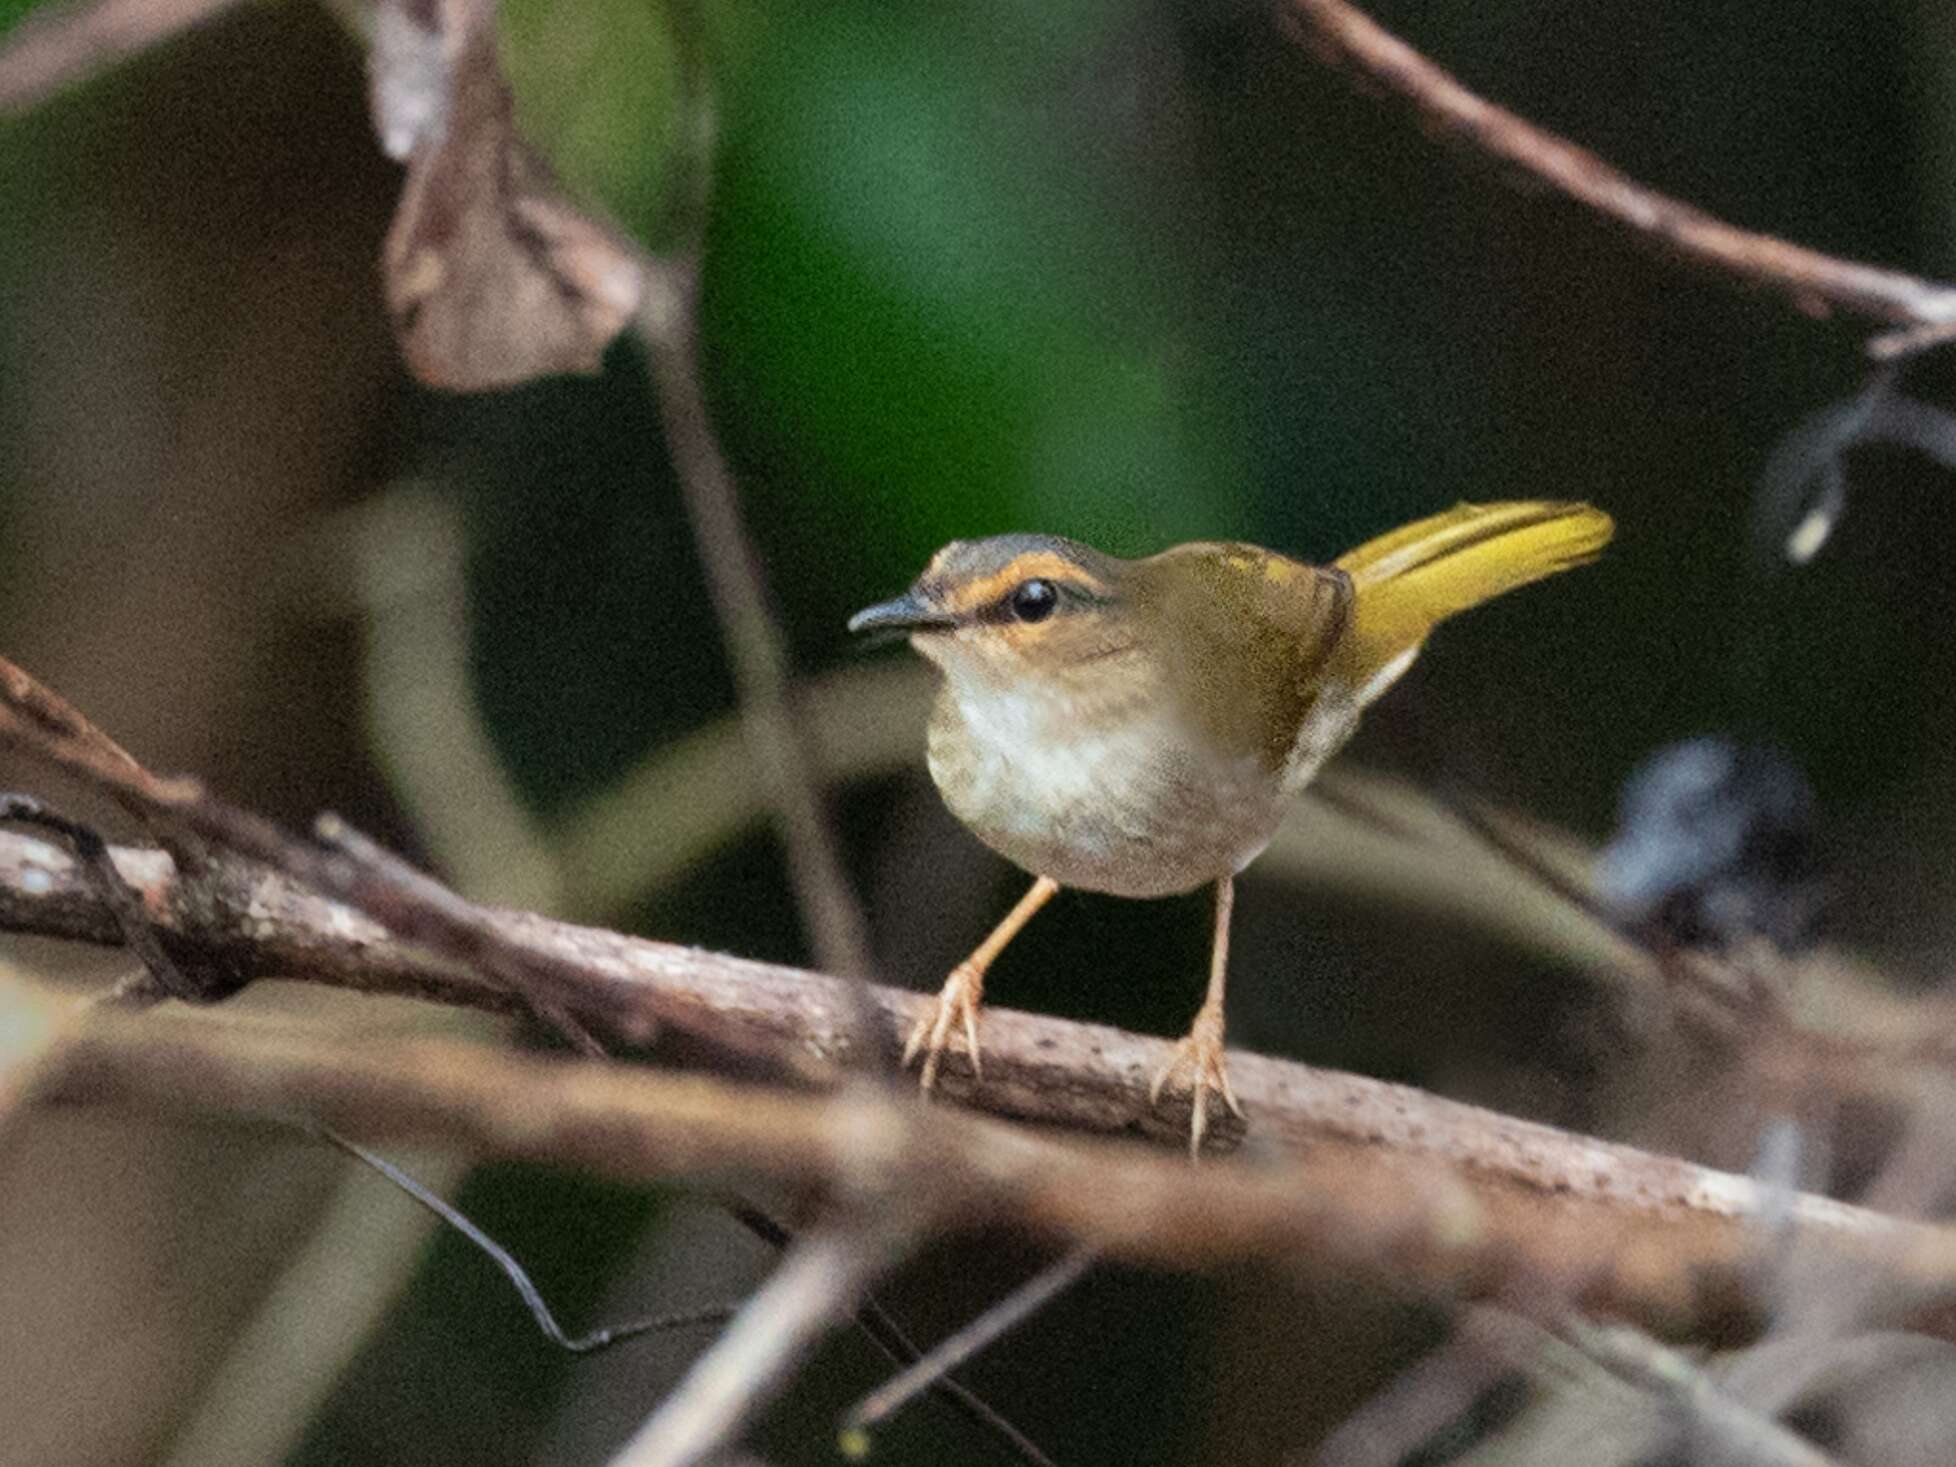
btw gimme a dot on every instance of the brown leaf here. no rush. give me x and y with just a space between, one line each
493 277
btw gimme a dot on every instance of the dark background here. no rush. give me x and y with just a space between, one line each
1126 271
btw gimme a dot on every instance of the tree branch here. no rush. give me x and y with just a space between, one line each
1459 1198
1657 1241
776 737
1649 1233
1337 34
60 45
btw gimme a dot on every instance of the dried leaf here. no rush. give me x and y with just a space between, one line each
493 277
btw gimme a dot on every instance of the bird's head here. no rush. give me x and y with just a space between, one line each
1018 612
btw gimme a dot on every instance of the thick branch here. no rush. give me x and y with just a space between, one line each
1333 31
1665 1254
1470 1194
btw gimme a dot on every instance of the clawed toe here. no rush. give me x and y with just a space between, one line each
957 1006
1200 1055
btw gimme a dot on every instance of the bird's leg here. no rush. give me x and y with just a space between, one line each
958 1002
1201 1051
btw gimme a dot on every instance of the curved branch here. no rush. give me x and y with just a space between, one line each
1335 32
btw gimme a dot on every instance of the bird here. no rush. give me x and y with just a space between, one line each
1139 727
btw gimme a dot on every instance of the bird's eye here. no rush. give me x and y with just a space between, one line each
1033 600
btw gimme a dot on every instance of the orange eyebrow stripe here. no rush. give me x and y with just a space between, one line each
1035 565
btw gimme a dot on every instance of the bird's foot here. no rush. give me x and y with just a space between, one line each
1200 1054
957 1005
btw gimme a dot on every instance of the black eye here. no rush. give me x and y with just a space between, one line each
1033 600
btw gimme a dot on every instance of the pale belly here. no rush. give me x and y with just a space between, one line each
1138 812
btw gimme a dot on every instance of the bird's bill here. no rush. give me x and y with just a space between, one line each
906 613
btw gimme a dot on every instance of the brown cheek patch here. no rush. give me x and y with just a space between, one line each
1018 635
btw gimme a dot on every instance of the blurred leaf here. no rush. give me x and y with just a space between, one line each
493 277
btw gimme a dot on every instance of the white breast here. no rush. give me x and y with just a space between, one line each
1138 808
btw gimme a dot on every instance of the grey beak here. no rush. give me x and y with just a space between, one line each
906 613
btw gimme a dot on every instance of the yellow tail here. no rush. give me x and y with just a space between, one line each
1408 582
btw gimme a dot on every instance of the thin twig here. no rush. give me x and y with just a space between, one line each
421 893
1526 857
754 644
894 1341
518 1276
668 325
1334 32
1001 1318
821 1280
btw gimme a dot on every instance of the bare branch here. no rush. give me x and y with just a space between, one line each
1082 1076
1336 33
775 741
413 908
64 44
1654 1240
1431 1188
925 1371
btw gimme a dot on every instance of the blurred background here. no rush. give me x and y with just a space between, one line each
1134 271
